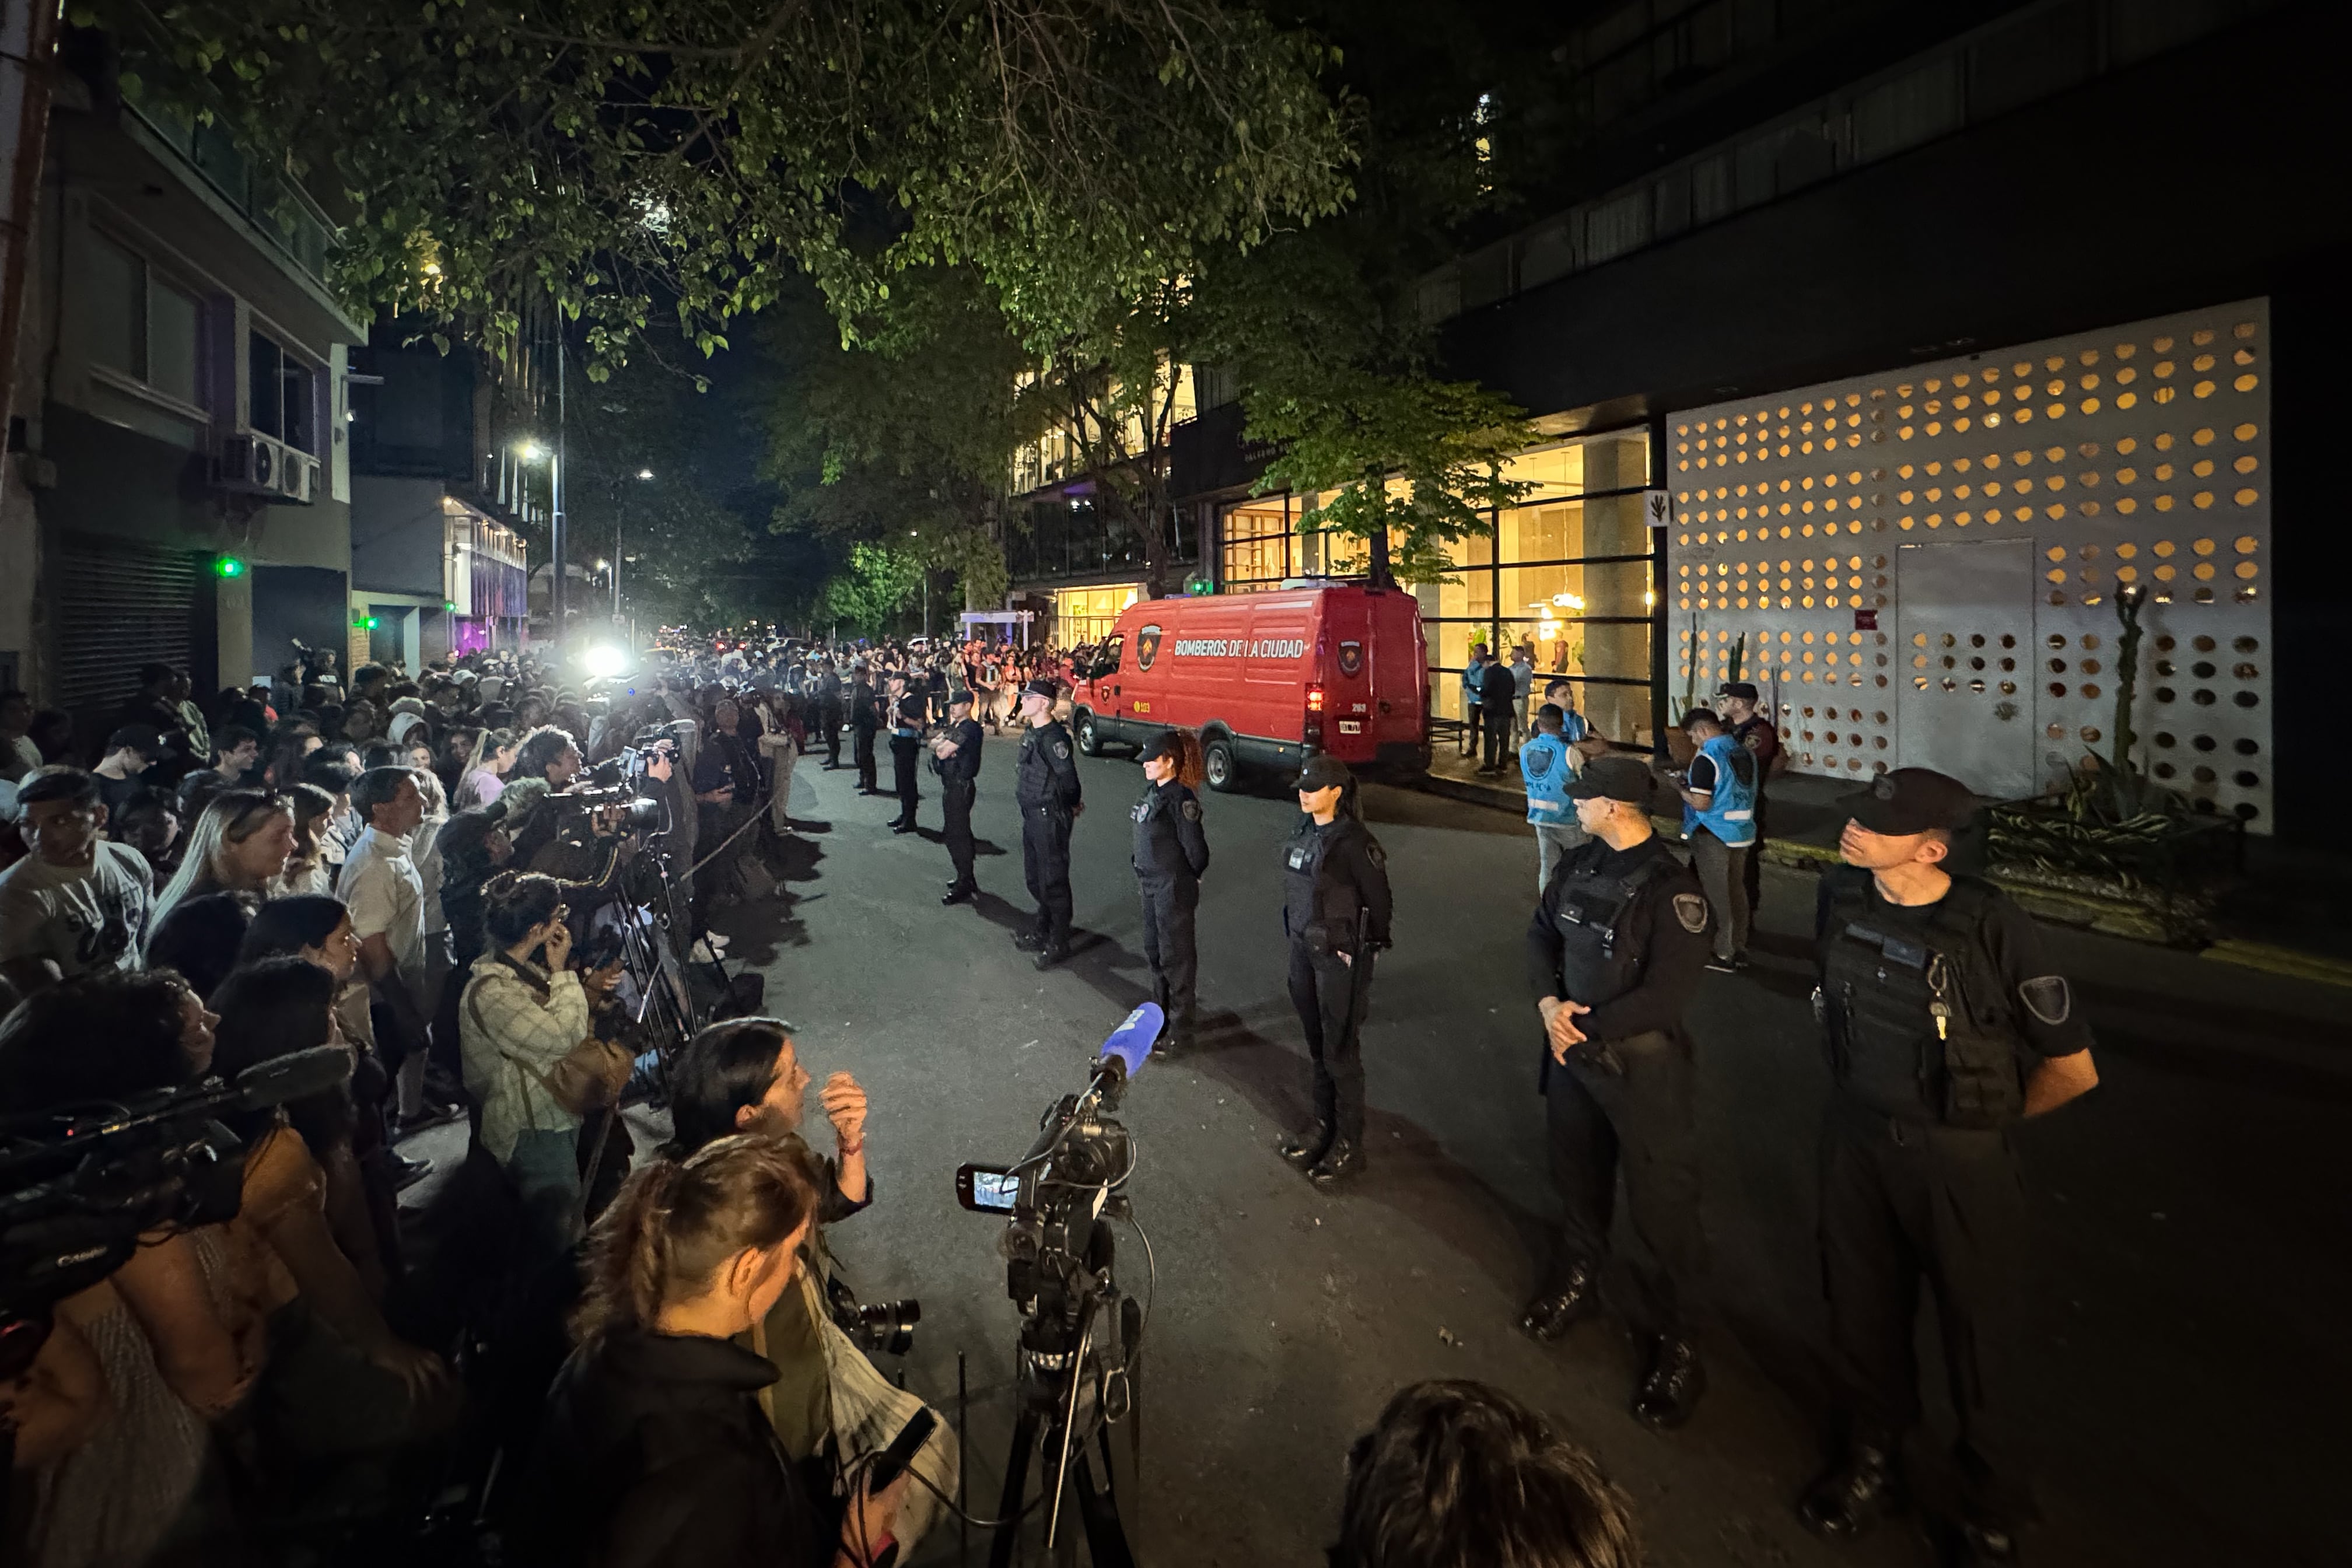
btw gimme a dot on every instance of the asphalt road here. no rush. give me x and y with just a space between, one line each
2186 1348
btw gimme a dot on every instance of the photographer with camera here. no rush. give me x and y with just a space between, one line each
532 1061
828 1405
655 1452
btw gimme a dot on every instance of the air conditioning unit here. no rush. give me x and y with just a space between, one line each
252 464
298 476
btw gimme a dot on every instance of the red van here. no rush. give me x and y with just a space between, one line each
1268 679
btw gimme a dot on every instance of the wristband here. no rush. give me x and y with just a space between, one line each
847 1150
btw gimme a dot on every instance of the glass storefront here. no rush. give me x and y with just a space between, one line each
1088 614
1565 575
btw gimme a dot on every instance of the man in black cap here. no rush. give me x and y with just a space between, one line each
1169 854
1946 1026
124 767
1614 956
1046 784
1335 910
957 754
1737 703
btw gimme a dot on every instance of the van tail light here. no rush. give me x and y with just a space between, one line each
1315 700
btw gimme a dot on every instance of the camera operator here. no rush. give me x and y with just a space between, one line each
727 792
1460 1472
655 1452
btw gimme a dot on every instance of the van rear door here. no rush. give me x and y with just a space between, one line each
1344 674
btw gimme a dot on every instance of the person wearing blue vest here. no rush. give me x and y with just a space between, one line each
1550 767
1718 792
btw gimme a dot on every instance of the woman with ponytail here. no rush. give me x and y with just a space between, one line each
655 1452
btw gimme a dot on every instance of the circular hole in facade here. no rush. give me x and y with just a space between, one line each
2202 698
2246 778
2246 746
2204 742
2247 700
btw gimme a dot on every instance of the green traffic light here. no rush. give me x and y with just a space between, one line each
228 566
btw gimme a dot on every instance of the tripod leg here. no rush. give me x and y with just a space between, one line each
1105 1541
1016 1481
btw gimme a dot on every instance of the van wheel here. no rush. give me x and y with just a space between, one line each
1089 742
1222 768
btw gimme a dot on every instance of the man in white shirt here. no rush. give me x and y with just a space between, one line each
381 886
76 904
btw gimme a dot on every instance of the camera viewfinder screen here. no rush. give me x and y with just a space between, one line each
994 1190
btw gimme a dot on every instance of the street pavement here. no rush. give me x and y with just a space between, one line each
2185 1357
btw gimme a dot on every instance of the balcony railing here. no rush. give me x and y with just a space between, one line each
287 216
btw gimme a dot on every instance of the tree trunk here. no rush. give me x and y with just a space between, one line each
1380 574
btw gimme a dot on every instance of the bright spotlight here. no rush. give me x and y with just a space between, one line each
605 661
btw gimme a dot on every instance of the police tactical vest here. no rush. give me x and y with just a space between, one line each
1318 908
1157 854
1601 948
1939 1007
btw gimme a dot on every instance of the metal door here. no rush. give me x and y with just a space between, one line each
1967 630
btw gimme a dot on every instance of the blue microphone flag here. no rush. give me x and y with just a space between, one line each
1133 1039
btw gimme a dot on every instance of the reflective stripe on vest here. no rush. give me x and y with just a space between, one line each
1730 815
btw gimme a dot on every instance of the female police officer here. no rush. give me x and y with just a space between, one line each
1169 854
1335 909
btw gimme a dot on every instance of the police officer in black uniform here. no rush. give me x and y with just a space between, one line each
1335 909
1945 1026
910 715
1045 785
1171 854
827 689
864 722
1614 956
956 756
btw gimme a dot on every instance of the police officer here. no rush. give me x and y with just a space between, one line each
1614 954
1171 854
864 722
1046 784
958 760
1738 703
827 689
1335 909
1945 1025
910 715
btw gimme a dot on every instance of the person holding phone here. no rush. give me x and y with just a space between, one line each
531 1062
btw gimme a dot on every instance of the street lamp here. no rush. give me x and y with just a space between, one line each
645 476
533 452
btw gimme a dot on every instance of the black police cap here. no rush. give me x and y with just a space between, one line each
1614 778
1911 800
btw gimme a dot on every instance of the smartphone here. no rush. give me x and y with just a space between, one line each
987 1189
902 1451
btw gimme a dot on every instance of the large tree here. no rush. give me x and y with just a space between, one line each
631 157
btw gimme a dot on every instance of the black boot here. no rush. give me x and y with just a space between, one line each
960 895
1971 1545
1341 1162
1857 1493
1669 1391
1562 1305
1029 940
1303 1149
1048 957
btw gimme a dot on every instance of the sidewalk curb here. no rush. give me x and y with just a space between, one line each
2274 960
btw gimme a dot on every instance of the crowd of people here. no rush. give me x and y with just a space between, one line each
438 875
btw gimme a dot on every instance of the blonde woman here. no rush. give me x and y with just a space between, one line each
240 843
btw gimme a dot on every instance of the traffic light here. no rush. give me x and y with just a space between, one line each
365 624
227 566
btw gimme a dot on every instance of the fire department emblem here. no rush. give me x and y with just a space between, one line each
1352 657
1147 646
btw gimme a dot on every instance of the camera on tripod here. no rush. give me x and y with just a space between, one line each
614 791
1079 1334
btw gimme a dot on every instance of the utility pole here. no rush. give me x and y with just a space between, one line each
555 588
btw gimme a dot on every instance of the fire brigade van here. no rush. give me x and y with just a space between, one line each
1268 679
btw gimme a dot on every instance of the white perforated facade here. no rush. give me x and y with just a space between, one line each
1923 564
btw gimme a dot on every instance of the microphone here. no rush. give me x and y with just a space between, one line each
1123 1053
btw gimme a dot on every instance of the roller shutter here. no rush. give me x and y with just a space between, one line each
119 604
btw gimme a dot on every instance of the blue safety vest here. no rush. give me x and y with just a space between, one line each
1731 816
1548 765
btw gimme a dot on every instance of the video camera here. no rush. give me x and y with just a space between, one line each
79 1185
619 786
1079 1335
